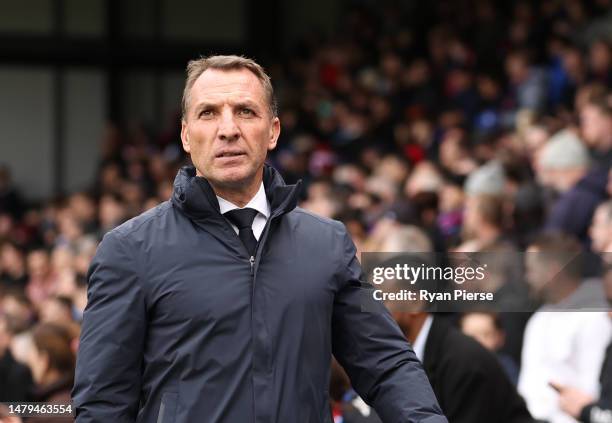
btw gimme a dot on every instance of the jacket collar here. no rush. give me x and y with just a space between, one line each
195 197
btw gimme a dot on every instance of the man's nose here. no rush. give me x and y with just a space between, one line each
228 130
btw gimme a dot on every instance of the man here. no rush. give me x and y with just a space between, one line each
482 223
226 303
527 88
16 378
585 407
487 328
468 380
565 166
483 231
596 126
565 340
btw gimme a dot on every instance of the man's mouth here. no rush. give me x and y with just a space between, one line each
230 154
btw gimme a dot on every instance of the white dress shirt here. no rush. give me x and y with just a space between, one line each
566 347
259 203
421 339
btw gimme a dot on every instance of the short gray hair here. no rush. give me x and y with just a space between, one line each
197 67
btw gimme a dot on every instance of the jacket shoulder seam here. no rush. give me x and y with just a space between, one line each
325 220
124 232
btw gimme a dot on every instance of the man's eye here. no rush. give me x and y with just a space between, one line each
206 113
246 112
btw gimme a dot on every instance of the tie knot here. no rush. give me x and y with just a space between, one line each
242 218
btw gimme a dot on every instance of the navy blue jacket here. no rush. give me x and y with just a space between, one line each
182 327
573 211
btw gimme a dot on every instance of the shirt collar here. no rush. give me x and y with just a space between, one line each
419 343
259 202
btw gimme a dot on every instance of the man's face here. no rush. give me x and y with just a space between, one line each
53 311
538 275
594 124
228 128
481 327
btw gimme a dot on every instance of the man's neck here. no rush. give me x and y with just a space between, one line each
239 198
240 195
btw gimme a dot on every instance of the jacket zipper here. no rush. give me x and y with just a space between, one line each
262 239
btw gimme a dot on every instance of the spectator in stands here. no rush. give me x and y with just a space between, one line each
15 378
15 303
12 266
583 406
52 363
528 83
42 279
596 126
483 219
486 328
564 165
600 62
406 239
468 380
111 213
56 309
567 347
84 210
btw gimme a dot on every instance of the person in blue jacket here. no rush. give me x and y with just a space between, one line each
226 303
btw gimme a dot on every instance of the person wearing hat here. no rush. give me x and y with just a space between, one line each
565 166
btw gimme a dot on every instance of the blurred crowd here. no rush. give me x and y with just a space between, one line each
441 126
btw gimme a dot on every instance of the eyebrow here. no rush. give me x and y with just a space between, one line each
247 103
204 105
242 103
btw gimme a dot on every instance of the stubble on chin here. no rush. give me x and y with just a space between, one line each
235 181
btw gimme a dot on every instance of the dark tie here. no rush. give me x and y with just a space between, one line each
243 219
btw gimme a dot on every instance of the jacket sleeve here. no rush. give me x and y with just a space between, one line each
476 389
375 354
108 370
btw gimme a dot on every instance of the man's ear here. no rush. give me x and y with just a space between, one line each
275 129
185 137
